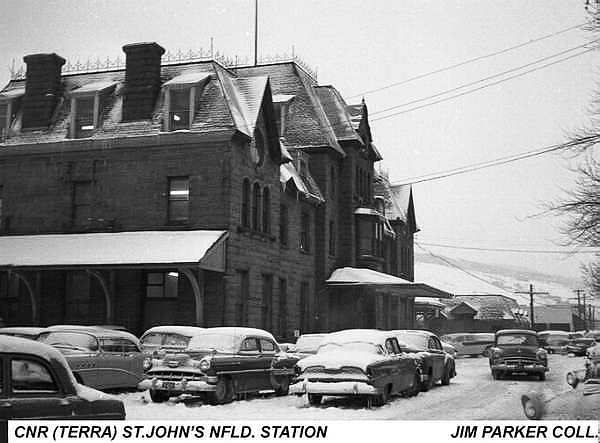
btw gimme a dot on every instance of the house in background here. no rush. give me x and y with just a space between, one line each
191 192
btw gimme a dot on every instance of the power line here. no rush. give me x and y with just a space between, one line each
482 87
499 74
471 60
498 161
527 251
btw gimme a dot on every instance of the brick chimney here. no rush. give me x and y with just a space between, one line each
142 79
43 88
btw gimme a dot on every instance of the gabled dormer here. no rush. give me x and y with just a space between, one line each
10 102
181 95
87 103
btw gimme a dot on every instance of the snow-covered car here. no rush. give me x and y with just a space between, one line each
449 349
100 358
307 344
31 332
580 346
37 383
221 363
437 365
473 344
518 351
160 340
358 362
591 369
554 342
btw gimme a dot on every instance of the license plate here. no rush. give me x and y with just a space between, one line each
169 384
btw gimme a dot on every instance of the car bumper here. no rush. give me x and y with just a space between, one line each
181 386
513 367
334 388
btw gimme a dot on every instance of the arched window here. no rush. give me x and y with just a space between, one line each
246 203
266 219
256 207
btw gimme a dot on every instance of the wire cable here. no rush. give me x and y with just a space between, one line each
499 161
515 250
468 61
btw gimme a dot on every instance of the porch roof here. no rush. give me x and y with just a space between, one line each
367 277
203 248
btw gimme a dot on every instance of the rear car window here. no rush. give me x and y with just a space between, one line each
250 344
119 345
74 340
267 345
518 339
28 376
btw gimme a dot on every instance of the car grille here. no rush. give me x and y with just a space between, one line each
519 360
177 375
342 370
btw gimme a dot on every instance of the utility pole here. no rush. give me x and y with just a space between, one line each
255 32
578 292
585 322
531 293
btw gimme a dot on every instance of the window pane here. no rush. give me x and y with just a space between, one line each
31 376
154 291
111 345
267 345
179 114
250 344
171 284
283 225
154 278
179 188
3 128
178 210
84 120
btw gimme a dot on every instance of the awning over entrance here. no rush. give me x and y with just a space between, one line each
379 280
203 248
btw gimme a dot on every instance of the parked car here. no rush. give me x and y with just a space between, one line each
100 358
555 342
358 362
160 340
30 332
579 346
220 363
518 351
287 347
473 344
437 364
595 334
307 344
38 384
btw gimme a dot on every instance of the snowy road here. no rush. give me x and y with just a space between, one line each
473 395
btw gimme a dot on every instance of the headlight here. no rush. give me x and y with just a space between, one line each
541 354
297 370
204 364
147 363
496 353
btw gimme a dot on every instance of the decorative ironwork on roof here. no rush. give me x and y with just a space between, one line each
169 58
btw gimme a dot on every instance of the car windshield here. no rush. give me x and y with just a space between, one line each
308 344
517 339
417 340
557 339
165 339
355 346
70 340
214 342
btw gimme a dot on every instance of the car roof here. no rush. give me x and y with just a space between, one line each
26 346
96 331
313 335
553 332
188 331
364 335
33 330
240 332
516 331
414 331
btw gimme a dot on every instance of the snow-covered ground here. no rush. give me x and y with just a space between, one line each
473 394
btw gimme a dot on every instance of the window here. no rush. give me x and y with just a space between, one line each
250 345
29 376
304 306
267 345
179 199
305 232
1 376
283 225
4 121
283 307
357 181
266 218
331 238
333 177
242 310
246 203
256 207
84 119
180 114
2 223
370 236
118 345
257 148
9 105
82 203
162 284
267 301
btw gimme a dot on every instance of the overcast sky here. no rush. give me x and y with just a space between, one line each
358 46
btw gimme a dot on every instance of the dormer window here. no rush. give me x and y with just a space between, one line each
9 105
180 100
86 105
281 104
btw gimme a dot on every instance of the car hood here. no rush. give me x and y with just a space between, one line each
518 351
338 359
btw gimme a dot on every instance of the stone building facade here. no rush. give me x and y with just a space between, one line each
191 193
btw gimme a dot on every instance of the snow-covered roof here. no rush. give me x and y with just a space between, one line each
306 185
239 332
140 247
12 93
429 302
91 88
188 79
188 331
357 335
